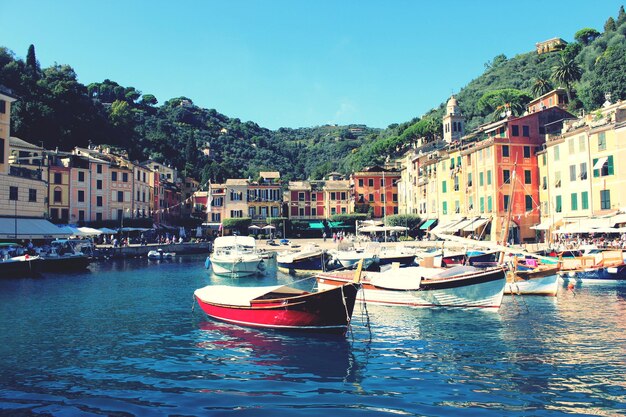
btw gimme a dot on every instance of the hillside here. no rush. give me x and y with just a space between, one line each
58 111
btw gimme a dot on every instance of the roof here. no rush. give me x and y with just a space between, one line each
24 228
269 174
236 181
13 141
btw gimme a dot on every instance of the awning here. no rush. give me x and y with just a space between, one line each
427 224
460 226
545 225
600 162
90 231
476 224
618 219
451 227
20 228
442 226
316 225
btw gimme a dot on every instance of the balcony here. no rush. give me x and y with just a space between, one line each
31 174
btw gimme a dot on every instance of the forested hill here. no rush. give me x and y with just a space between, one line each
54 108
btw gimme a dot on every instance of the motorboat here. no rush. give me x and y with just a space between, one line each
62 256
160 255
236 255
281 307
14 262
346 256
308 258
602 267
458 286
388 255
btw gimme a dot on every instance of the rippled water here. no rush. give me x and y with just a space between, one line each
123 340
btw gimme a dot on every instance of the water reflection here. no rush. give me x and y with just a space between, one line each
286 356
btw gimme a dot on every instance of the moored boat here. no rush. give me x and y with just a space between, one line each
532 278
459 286
17 266
604 267
280 307
160 255
236 255
309 258
62 256
347 256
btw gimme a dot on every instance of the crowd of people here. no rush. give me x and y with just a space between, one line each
601 241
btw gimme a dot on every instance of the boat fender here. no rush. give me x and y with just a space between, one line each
207 263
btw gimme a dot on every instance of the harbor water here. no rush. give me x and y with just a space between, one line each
124 339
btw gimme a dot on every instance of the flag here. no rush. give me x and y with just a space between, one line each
209 200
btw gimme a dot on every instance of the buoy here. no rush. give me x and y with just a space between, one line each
207 263
570 286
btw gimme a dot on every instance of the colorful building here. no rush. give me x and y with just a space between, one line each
265 197
376 189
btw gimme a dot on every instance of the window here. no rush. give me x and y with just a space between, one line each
544 185
558 204
54 213
343 196
370 182
1 150
99 217
13 193
544 160
514 130
360 182
394 198
57 195
443 187
382 198
557 179
58 179
605 199
529 202
99 168
301 211
81 176
113 175
445 207
584 200
605 169
371 198
99 184
571 146
81 215
382 182
333 210
572 172
99 201
333 196
556 153
526 152
506 176
526 131
505 151
489 205
457 206
313 211
506 202
313 196
469 179
481 179
583 171
120 196
602 141
300 196
489 177
125 176
574 201
3 106
581 143
81 196
482 204
527 177
456 183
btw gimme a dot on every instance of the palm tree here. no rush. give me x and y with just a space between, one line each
541 87
566 73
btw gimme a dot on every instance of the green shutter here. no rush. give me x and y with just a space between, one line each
482 204
445 207
574 201
584 200
489 205
596 172
489 177
610 164
444 187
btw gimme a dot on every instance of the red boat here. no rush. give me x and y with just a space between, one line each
280 307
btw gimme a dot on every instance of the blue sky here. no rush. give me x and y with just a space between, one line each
292 63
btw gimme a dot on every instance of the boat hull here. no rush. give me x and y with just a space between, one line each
595 275
304 264
478 290
241 268
544 285
401 259
64 264
324 311
25 268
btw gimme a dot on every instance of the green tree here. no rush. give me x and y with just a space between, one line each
541 86
565 73
121 114
621 16
586 35
405 220
610 25
500 101
31 60
149 100
571 50
237 224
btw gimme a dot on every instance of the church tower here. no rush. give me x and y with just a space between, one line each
453 122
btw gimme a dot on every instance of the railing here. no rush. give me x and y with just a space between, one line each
25 173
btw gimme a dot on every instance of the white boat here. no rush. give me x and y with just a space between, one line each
529 277
347 255
309 258
235 255
459 286
160 255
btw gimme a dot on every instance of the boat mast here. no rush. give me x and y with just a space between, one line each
505 231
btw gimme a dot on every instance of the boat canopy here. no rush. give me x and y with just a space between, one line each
238 296
22 228
230 241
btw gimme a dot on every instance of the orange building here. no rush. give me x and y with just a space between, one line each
376 189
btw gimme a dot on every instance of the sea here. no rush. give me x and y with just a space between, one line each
125 338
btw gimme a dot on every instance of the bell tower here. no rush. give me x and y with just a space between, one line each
453 122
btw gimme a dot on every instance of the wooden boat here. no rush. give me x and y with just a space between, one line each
309 258
459 286
236 255
281 307
607 266
529 277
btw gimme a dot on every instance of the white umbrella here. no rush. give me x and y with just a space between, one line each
269 227
254 226
89 231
